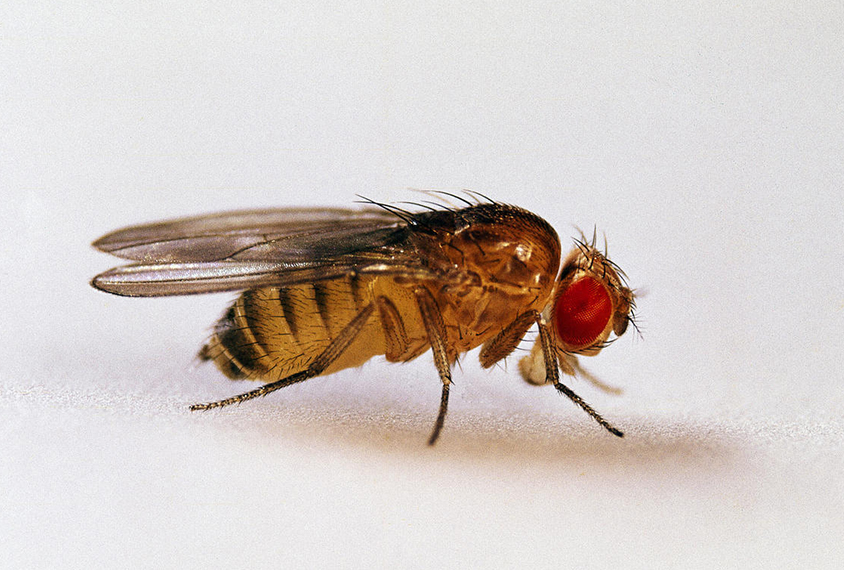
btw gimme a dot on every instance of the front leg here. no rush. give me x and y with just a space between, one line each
505 342
541 365
552 375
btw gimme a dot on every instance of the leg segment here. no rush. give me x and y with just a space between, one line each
437 336
552 375
317 367
505 342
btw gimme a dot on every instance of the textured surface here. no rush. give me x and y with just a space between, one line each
706 144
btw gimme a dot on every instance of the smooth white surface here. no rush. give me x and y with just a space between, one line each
705 141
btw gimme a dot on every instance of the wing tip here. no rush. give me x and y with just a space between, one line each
102 283
100 244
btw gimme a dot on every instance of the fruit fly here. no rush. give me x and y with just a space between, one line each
324 289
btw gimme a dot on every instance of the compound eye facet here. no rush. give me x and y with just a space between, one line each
582 312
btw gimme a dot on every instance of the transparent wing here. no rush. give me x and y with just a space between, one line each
256 248
241 234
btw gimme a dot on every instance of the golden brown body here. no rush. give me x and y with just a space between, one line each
496 267
327 289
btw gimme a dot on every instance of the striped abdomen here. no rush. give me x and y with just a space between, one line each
271 333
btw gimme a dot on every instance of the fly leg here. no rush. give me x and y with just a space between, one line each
552 375
578 370
317 367
437 336
505 342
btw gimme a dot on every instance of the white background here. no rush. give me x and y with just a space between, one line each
705 140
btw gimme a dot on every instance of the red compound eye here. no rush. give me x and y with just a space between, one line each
582 312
